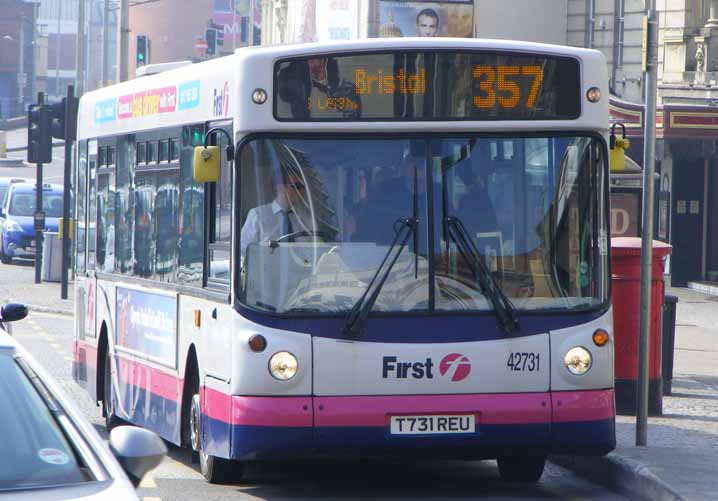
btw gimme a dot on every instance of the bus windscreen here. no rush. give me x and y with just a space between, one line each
412 85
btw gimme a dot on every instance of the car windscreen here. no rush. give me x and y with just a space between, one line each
36 451
23 204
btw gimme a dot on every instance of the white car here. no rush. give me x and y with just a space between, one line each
49 449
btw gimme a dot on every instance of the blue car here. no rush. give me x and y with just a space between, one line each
17 232
5 183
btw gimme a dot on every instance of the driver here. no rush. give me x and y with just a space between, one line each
283 216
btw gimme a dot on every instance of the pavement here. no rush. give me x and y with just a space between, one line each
681 459
17 284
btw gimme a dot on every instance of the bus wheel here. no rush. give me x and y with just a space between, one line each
108 407
215 470
526 469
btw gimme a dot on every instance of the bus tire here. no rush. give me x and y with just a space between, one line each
108 406
214 469
526 469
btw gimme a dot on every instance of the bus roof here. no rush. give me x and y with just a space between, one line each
219 89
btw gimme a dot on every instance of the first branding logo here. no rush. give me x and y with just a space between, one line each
454 366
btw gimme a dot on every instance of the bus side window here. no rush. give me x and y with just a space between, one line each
192 216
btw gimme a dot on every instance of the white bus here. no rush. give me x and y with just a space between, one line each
394 248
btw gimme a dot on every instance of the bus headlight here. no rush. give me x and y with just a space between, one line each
283 365
578 360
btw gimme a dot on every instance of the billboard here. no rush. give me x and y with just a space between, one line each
399 18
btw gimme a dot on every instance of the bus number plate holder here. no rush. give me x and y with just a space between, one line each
439 424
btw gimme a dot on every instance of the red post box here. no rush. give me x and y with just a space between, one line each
626 300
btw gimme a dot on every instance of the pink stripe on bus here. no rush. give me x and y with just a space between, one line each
272 411
90 358
167 386
516 408
215 404
590 405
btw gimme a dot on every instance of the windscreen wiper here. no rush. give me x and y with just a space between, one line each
356 319
505 311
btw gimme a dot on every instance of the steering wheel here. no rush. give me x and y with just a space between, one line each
298 234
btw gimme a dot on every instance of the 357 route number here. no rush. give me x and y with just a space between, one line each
522 361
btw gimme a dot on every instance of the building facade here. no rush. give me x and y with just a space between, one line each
686 123
17 64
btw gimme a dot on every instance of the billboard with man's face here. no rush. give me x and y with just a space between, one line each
399 18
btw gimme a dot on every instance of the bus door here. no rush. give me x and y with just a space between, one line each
217 331
84 368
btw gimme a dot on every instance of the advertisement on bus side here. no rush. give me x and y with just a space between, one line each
147 323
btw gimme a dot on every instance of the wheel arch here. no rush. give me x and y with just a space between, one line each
190 384
102 348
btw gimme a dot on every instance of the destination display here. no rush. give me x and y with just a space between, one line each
427 86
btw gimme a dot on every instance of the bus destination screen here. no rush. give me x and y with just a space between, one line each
427 86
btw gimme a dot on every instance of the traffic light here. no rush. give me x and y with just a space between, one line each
142 52
220 37
64 120
39 137
211 37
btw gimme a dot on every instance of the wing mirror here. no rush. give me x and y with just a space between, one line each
138 450
206 164
12 312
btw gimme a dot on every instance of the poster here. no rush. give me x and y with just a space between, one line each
147 323
398 18
336 20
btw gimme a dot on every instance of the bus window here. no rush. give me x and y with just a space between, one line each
167 225
164 151
141 153
144 244
124 210
174 149
191 217
105 222
151 152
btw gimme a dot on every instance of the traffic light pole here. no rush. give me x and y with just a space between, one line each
69 124
38 210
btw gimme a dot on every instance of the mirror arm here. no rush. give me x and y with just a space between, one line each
230 147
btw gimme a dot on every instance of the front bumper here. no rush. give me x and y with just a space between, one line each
18 244
269 427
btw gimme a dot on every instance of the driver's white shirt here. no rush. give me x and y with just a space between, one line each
265 223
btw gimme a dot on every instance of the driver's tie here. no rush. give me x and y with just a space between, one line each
288 230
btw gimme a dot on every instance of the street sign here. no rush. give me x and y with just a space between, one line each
22 79
39 219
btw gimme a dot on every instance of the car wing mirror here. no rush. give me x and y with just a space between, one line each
13 312
137 450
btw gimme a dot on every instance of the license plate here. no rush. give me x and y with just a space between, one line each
432 425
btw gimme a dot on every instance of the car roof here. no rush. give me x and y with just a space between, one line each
30 187
6 181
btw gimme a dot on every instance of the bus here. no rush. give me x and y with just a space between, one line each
376 248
